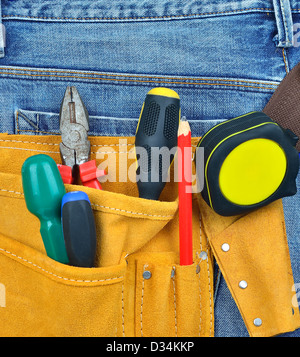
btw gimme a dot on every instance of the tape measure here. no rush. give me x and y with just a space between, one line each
249 162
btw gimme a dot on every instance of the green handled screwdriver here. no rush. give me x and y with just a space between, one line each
43 190
156 136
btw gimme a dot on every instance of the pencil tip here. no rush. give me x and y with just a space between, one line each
184 127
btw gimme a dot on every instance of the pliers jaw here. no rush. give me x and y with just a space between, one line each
75 148
74 126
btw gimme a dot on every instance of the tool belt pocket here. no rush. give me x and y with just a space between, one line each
163 306
41 297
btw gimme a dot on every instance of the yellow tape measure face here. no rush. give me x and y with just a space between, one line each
252 171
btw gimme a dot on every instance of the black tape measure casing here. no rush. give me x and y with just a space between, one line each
249 161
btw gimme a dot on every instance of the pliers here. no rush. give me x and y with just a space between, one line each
75 147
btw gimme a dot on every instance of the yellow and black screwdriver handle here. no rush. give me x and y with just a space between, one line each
156 137
249 161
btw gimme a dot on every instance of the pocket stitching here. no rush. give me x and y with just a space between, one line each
54 144
107 207
131 212
58 276
175 305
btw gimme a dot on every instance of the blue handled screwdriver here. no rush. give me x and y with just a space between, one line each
79 229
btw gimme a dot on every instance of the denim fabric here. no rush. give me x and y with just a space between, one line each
2 36
223 57
284 22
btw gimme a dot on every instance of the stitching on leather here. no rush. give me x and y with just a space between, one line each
138 81
200 295
138 17
57 152
210 296
29 142
209 280
123 319
54 144
175 309
58 276
142 301
130 212
24 149
10 191
107 207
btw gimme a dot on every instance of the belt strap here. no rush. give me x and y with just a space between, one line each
284 105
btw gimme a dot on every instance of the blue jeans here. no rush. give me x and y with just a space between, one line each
223 57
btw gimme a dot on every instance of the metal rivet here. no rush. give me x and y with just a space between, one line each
173 273
225 247
243 284
203 255
257 322
147 274
197 269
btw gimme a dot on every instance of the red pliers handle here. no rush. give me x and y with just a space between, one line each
75 147
88 173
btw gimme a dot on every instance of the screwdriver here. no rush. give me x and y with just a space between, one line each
43 191
79 229
156 136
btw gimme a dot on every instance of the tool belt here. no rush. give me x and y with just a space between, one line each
138 287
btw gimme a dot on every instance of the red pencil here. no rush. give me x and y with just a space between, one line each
185 193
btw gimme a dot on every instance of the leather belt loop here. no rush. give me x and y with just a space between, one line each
284 106
284 22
